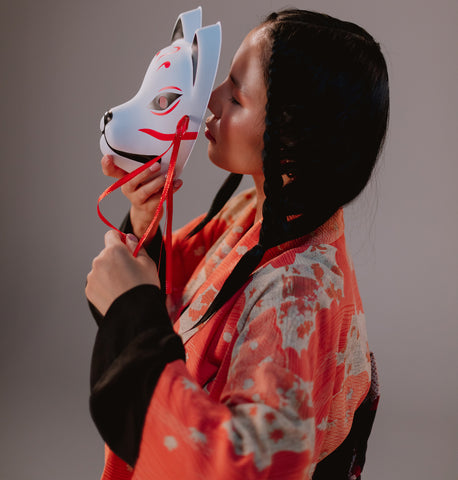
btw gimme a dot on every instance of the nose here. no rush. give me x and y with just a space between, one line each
107 117
214 105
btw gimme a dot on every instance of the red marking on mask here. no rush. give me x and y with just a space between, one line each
168 136
168 88
165 65
176 49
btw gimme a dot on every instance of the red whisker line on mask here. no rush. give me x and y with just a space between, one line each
168 136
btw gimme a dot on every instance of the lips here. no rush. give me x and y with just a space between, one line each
209 135
208 132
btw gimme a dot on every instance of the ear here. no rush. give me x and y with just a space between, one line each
187 24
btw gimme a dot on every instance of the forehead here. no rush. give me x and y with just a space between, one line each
168 52
247 67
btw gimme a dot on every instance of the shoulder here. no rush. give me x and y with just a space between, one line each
308 275
291 306
304 305
299 292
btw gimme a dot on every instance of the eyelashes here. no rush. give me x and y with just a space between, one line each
162 102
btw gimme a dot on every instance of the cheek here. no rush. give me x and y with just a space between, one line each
260 127
239 143
241 130
229 127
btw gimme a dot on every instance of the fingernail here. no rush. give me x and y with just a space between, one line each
155 167
177 183
132 237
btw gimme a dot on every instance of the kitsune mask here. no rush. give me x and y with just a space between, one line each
178 83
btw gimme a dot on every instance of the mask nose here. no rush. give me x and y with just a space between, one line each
107 117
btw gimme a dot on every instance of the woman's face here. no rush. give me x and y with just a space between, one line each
236 127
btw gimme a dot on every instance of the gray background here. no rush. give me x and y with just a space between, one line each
62 65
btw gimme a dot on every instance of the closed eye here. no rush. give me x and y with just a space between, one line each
163 101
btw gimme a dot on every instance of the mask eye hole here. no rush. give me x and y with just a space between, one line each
164 100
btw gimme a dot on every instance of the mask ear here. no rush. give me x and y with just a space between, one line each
205 55
195 58
177 31
187 25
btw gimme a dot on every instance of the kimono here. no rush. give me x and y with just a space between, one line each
268 387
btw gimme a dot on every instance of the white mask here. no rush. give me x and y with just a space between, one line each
178 83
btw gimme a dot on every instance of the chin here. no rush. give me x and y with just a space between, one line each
219 162
214 157
226 162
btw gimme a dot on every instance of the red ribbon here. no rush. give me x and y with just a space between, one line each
181 133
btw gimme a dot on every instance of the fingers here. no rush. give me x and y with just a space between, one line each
148 195
110 169
146 192
143 178
142 187
131 242
177 184
113 238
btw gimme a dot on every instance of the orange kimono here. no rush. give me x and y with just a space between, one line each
272 381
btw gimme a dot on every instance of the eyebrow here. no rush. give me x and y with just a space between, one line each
170 87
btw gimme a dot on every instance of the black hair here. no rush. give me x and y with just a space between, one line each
326 119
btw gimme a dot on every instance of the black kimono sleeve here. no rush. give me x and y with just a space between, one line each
134 343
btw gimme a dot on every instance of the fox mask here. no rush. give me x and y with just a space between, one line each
178 83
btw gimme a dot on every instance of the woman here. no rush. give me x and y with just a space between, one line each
269 375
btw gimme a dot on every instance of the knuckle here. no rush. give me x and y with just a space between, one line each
145 176
115 251
127 189
95 263
143 195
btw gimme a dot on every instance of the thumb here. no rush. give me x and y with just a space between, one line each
110 169
131 242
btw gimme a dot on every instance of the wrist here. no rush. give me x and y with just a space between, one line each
140 223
